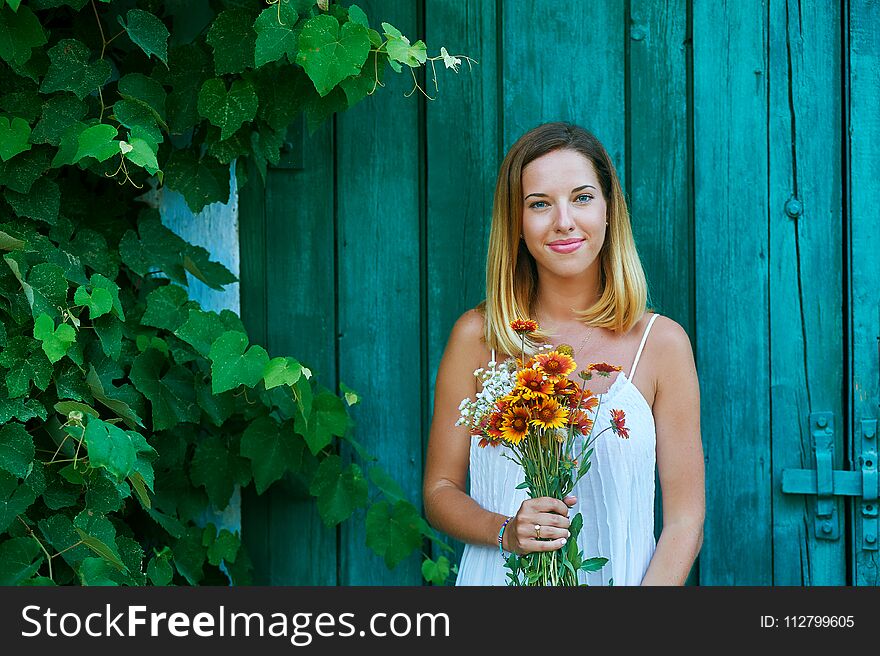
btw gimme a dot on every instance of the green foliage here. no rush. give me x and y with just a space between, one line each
128 413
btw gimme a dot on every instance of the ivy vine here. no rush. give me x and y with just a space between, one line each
127 412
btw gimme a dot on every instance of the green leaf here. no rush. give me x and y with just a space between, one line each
14 499
231 366
42 202
97 141
70 69
166 307
118 406
103 495
100 548
276 34
190 66
393 532
173 396
145 91
222 546
132 556
436 572
198 262
329 54
16 449
357 15
59 113
201 181
328 418
593 564
17 560
96 572
9 243
227 109
13 137
281 371
159 568
189 555
338 491
233 39
399 48
147 32
55 341
157 246
282 92
110 447
388 486
26 362
272 450
200 330
216 466
142 154
20 173
351 397
99 302
100 282
20 32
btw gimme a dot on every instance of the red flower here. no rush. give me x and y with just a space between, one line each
524 326
603 368
618 423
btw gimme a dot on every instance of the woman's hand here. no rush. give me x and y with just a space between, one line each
548 513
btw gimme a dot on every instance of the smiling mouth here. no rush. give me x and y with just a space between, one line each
566 247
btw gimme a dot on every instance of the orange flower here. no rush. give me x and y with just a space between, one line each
603 368
524 326
555 365
566 387
515 425
550 414
533 383
618 423
493 428
581 422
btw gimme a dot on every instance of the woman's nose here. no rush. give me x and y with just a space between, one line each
564 220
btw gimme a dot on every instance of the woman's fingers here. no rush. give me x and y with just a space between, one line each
547 505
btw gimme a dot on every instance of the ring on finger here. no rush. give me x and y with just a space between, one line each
537 531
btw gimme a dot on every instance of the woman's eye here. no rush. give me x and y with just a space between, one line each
584 196
535 204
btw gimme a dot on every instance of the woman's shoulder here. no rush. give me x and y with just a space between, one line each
670 344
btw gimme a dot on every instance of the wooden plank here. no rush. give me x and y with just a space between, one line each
806 287
658 162
864 244
300 286
288 306
378 289
252 242
463 156
730 234
565 65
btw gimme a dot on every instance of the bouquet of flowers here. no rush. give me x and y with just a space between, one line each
533 408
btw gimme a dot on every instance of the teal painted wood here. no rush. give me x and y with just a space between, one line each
298 314
380 270
730 239
463 156
864 221
657 163
562 64
806 283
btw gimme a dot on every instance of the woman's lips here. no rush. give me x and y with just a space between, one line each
566 248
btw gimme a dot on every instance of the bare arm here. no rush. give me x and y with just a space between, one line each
679 460
448 507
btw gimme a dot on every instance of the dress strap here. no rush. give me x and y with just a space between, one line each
641 346
493 355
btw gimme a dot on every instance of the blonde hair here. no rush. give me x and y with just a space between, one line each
511 272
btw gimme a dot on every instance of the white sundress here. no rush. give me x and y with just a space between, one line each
615 497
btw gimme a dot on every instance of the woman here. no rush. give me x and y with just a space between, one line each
561 252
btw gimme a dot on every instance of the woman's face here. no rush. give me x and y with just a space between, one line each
563 202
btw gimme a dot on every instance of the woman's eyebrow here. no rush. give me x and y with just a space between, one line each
572 191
